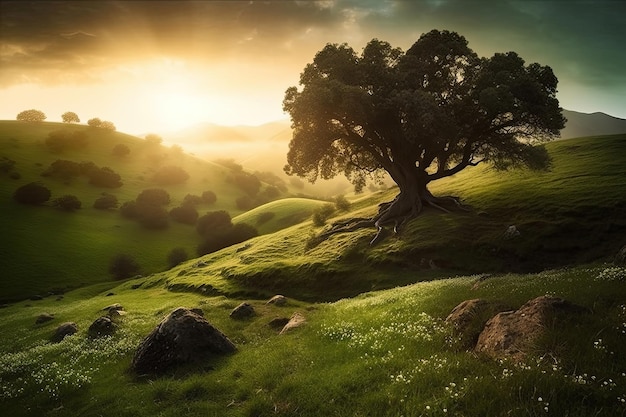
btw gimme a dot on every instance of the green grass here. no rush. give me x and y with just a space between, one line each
45 249
385 353
279 214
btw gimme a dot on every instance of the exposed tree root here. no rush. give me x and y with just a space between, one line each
396 213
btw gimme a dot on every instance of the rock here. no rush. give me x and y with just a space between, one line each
511 334
109 294
278 323
620 258
511 233
469 317
45 317
116 306
296 320
198 311
65 329
182 337
135 286
113 313
36 298
242 311
278 300
59 298
102 326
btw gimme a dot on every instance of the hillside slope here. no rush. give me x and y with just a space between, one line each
591 124
48 249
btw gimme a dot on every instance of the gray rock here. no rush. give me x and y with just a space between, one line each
183 337
116 306
512 334
242 311
45 317
278 300
511 233
278 323
296 320
64 329
469 317
102 326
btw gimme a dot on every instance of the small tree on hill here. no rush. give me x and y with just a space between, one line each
70 117
31 115
123 266
95 122
186 214
33 193
170 175
121 150
156 196
418 116
107 125
152 139
105 202
67 202
209 197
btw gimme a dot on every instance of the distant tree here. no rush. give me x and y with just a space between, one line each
186 214
63 168
121 150
129 210
153 139
105 124
32 193
225 237
249 183
104 177
230 164
192 200
60 140
105 202
123 266
418 116
31 116
176 257
70 117
95 122
170 175
152 216
67 202
209 197
213 222
245 203
155 196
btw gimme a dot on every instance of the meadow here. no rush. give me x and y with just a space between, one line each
375 342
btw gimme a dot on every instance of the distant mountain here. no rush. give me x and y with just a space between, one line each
591 124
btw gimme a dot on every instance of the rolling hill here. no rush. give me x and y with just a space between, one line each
591 124
47 249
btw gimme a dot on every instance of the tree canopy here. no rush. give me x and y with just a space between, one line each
70 117
419 116
31 115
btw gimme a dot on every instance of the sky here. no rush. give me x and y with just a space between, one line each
161 66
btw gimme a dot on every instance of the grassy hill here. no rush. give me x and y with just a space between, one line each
385 352
46 249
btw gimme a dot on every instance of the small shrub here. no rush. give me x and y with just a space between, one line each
105 202
129 210
170 175
152 139
63 169
105 177
67 202
186 214
213 222
209 197
156 196
341 203
322 213
32 193
121 150
123 266
107 125
192 200
176 256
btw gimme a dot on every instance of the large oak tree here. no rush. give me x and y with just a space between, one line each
419 116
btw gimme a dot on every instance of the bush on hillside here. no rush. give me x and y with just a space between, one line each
209 197
322 213
186 214
107 125
67 202
176 257
31 115
61 140
152 216
248 183
129 210
104 177
95 122
121 150
225 237
123 266
342 203
170 175
192 200
32 193
213 222
156 196
64 169
70 117
152 139
105 202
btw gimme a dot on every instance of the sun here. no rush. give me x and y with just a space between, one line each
176 109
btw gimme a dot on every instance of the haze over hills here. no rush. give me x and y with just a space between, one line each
591 124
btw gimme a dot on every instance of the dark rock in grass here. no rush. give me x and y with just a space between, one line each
198 311
468 319
116 306
114 313
511 233
242 311
43 318
620 258
65 329
511 334
110 294
296 320
102 326
183 337
278 300
278 323
135 286
36 298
